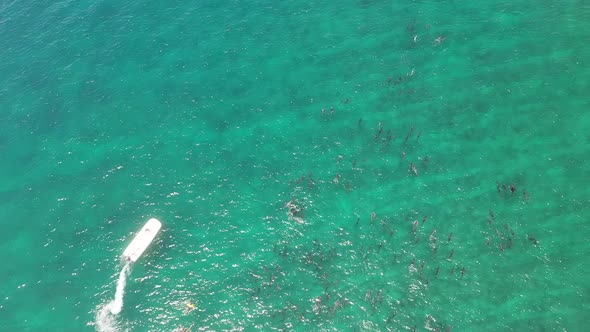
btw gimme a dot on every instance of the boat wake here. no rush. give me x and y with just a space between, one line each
106 315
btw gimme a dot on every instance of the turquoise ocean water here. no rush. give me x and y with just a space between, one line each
213 115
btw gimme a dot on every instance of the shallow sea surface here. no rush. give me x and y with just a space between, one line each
434 155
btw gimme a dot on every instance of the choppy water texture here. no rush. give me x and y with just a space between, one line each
213 115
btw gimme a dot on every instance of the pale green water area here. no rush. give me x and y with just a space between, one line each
434 157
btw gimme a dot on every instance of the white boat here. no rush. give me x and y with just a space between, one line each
142 240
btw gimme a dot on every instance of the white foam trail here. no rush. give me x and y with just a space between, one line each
116 305
105 322
105 316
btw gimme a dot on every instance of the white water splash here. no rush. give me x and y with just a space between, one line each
105 317
116 305
105 321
